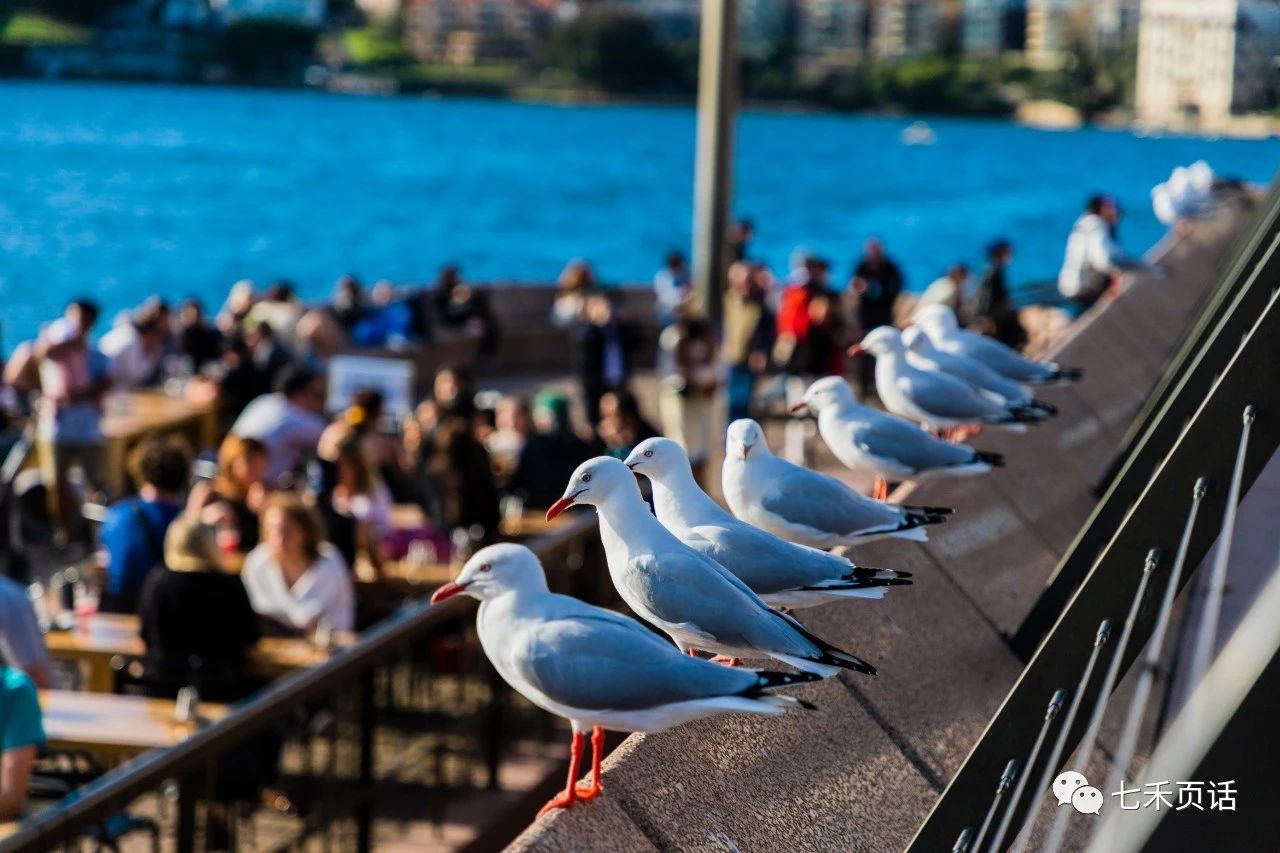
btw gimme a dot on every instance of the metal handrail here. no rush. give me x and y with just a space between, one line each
88 805
1240 297
1206 445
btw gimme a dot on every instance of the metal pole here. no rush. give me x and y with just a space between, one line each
713 172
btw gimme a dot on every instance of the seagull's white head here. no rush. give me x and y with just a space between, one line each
494 570
745 440
593 483
659 459
915 339
827 392
881 341
938 321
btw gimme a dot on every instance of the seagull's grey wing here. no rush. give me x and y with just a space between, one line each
761 560
1000 357
910 445
822 503
689 589
593 663
947 397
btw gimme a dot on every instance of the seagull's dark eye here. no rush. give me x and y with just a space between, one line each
586 478
486 567
648 453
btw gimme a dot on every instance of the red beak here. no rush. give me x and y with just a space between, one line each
559 507
857 349
447 591
799 407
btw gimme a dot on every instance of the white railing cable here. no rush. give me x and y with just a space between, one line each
1207 633
1099 640
1050 714
1128 741
1002 787
1058 829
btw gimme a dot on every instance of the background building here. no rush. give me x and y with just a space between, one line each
832 32
901 28
1201 62
463 32
1052 30
990 27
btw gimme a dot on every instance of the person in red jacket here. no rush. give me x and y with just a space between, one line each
810 331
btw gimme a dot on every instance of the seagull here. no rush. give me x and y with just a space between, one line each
687 595
599 669
805 506
866 439
939 323
781 573
923 354
936 400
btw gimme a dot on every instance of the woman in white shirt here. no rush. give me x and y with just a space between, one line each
294 576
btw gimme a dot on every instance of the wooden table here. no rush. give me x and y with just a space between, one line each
95 641
116 728
130 417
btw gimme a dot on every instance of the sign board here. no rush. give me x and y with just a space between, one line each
394 377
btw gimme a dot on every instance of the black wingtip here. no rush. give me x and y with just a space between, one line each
922 518
808 706
1047 408
995 460
872 573
771 678
930 510
1069 374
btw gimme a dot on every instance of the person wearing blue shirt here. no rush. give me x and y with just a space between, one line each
21 737
134 528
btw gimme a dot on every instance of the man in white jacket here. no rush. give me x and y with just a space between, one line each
1094 260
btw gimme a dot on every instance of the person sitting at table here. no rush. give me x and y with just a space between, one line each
21 737
241 484
21 642
196 619
288 422
294 576
136 348
353 502
134 528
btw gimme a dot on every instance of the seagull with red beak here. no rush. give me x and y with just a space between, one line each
596 668
687 595
806 506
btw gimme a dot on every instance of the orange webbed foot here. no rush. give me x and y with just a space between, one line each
562 800
880 491
588 791
726 660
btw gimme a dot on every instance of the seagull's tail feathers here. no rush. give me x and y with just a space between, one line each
769 679
1048 409
1063 375
786 703
872 573
929 510
995 460
829 659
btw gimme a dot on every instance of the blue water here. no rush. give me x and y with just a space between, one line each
123 191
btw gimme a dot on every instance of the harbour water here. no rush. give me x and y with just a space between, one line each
121 191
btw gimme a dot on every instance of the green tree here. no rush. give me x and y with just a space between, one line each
613 48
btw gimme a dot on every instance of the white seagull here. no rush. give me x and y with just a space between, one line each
805 506
599 669
937 400
891 448
939 323
923 354
688 596
781 573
